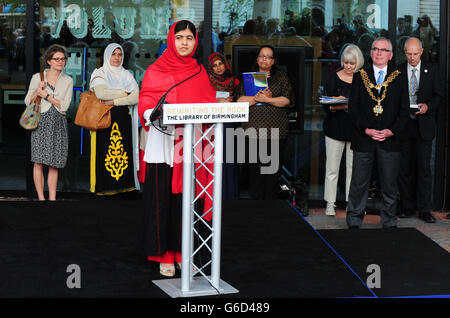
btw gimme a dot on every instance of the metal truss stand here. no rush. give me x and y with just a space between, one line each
202 285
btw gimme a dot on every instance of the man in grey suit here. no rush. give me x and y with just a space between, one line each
415 178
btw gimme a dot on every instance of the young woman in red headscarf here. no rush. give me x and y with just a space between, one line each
164 174
225 84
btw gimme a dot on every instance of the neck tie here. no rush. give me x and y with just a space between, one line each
413 87
413 90
380 79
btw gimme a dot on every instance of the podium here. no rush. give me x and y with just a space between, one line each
194 280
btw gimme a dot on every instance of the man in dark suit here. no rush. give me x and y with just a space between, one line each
379 108
415 181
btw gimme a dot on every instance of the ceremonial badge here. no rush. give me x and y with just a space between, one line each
378 109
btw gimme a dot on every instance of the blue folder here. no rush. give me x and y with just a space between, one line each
254 82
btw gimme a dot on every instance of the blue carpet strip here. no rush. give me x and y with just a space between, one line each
334 251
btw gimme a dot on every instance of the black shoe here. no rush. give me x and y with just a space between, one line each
390 227
427 217
406 214
353 227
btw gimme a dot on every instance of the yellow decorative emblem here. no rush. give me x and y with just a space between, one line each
116 161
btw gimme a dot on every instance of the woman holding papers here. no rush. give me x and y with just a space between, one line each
268 122
337 125
163 185
221 77
225 84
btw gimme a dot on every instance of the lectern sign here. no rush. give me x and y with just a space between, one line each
174 114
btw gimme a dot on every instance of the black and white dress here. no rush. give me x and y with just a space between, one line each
50 141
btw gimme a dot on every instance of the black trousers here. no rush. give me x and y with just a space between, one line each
264 174
415 180
163 209
387 167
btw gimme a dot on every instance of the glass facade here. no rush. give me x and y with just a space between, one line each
12 86
322 28
315 29
85 28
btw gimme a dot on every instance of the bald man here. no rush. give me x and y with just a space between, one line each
415 181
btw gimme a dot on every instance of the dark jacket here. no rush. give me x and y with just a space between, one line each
395 111
430 93
338 124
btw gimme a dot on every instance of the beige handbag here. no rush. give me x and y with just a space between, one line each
30 117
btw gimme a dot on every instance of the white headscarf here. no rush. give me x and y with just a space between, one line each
114 77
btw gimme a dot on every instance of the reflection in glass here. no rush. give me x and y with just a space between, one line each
85 28
322 26
420 19
12 93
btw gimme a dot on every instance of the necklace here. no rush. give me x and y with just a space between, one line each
378 108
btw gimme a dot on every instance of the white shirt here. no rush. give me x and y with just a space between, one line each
160 147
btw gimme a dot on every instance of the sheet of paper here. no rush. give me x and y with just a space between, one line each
220 94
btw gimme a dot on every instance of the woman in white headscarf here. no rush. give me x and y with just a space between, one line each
114 152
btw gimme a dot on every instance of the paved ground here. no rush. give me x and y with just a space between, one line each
438 232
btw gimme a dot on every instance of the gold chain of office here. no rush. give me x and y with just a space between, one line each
378 109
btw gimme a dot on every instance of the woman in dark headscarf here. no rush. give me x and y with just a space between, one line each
164 178
223 81
221 77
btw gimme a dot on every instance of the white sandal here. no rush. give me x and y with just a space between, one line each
167 271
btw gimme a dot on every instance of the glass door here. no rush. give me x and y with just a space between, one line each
320 28
85 28
12 92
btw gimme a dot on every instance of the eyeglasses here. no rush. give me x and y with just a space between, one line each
59 59
375 49
265 57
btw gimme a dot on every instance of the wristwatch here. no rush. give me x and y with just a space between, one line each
46 97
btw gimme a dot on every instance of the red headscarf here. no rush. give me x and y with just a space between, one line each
225 82
170 69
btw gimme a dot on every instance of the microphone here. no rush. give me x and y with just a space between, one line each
157 112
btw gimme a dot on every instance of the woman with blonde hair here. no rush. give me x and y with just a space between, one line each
337 124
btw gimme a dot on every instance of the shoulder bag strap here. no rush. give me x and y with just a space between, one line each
37 101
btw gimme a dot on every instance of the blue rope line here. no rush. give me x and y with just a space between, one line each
334 251
82 89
